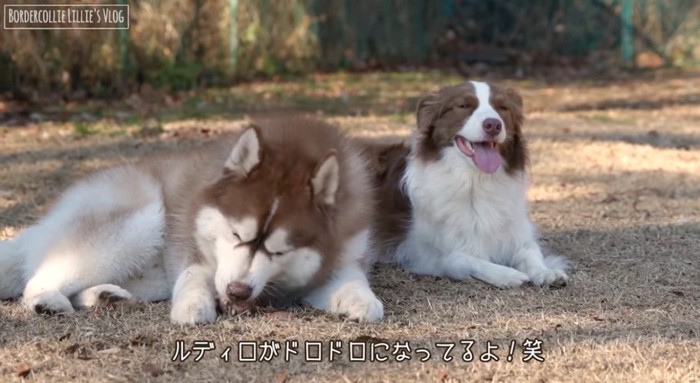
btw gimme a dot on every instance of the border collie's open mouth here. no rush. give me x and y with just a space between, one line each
484 154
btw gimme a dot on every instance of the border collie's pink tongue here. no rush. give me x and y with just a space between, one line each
486 157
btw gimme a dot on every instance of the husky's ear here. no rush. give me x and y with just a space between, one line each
324 183
246 154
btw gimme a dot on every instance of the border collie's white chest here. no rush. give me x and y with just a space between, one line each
458 208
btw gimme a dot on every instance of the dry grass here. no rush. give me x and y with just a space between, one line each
615 186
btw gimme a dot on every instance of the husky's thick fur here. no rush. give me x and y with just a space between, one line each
279 211
454 203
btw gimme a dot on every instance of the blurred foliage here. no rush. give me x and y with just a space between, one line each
183 44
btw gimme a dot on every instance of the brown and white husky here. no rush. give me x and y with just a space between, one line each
278 211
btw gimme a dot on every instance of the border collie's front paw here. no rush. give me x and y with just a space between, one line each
193 310
357 303
511 278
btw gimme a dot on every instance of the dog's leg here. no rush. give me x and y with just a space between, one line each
194 296
110 252
11 274
100 232
461 266
99 295
549 271
347 293
152 284
419 259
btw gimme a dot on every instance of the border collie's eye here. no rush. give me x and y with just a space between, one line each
278 253
463 106
503 108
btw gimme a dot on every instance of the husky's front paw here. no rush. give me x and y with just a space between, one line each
49 303
510 278
549 277
357 303
193 310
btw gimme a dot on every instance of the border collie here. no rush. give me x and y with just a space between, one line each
453 204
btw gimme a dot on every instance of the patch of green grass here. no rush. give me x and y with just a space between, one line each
401 117
607 118
83 129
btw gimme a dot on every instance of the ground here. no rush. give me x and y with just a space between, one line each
615 181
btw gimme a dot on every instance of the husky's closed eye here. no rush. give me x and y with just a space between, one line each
277 243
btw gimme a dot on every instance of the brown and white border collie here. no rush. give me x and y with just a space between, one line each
453 204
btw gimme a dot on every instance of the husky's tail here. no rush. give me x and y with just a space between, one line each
11 270
557 262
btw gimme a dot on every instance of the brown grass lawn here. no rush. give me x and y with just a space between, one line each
615 171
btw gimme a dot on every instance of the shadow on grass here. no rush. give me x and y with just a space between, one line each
635 104
43 186
340 94
633 289
332 95
650 138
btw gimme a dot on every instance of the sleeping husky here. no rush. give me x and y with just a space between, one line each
277 212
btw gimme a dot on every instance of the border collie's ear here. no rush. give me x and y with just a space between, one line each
514 96
324 184
516 100
246 153
427 111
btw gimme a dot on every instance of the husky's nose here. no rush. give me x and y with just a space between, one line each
238 291
492 127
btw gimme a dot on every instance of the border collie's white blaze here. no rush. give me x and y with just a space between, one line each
456 200
266 216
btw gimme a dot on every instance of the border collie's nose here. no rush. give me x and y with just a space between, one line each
492 126
238 291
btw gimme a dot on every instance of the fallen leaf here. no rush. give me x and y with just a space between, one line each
153 370
281 377
85 353
142 340
64 337
96 314
23 370
610 198
99 346
443 375
71 349
678 293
